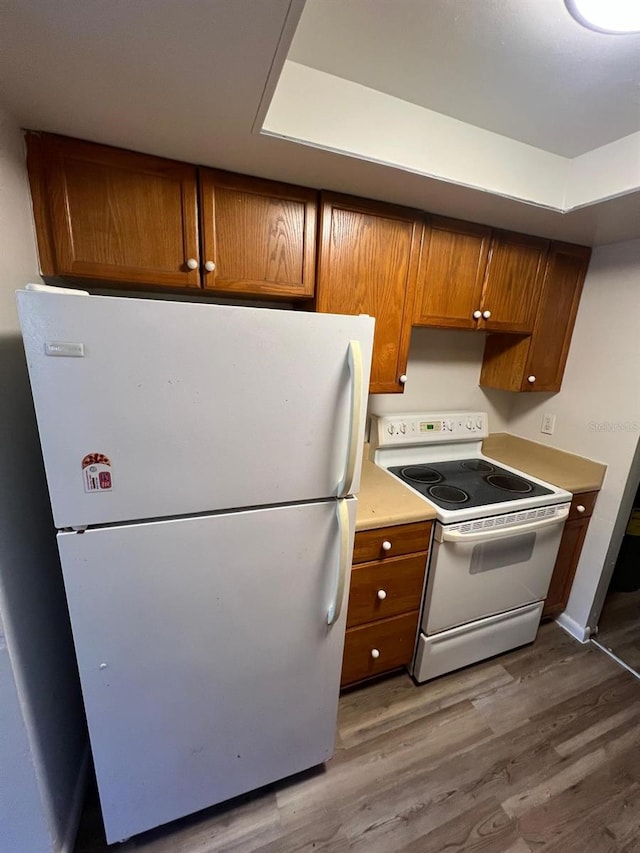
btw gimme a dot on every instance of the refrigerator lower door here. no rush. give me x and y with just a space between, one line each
207 661
149 408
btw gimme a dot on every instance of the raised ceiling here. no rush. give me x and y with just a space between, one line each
187 79
525 70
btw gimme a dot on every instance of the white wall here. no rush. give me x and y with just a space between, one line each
442 375
335 114
42 735
598 408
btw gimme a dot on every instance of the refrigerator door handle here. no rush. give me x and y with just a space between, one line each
344 561
356 372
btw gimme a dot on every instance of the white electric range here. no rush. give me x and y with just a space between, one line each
495 543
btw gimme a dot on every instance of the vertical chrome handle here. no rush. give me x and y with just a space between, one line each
344 561
355 369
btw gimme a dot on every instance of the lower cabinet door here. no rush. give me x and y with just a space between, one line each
379 647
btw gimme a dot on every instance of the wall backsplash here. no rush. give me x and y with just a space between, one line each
443 374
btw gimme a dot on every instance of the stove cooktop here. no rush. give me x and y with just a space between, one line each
464 483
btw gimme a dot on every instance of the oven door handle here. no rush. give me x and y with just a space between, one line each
504 532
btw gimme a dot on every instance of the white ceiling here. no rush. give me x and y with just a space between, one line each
186 79
521 68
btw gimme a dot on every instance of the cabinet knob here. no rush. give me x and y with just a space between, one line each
209 266
386 545
580 508
486 314
382 593
477 315
192 264
531 379
375 654
402 379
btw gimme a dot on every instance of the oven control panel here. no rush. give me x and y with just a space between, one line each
428 428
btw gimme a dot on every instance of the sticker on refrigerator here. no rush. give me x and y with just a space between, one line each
96 473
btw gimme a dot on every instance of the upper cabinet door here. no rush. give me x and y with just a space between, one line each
512 282
258 237
452 265
368 264
564 276
113 216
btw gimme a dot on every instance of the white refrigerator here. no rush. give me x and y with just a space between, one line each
201 462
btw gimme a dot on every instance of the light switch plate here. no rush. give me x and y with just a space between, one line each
548 424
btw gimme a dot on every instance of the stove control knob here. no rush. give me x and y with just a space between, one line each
479 423
403 428
386 545
469 423
381 594
390 429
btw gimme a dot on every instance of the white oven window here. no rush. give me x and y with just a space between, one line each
488 556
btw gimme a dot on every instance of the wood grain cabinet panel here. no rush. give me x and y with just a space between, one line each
452 266
537 362
381 630
368 264
382 589
112 216
386 542
258 236
379 647
573 536
512 283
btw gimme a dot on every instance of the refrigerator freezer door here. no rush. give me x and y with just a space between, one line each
207 665
149 408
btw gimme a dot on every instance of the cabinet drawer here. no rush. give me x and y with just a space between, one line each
402 539
587 501
393 639
386 588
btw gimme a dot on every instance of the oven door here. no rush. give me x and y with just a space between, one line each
481 572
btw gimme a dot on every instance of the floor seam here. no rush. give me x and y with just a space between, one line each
615 658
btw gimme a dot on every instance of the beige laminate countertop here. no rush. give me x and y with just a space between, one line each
383 500
562 469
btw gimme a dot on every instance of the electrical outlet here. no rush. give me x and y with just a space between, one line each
548 424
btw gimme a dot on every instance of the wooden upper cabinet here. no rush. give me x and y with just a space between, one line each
537 362
113 216
368 264
452 266
258 236
512 282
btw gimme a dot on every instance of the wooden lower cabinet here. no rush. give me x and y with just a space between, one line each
379 647
384 599
568 557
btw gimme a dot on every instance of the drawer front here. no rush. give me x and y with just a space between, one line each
586 500
386 588
391 541
393 639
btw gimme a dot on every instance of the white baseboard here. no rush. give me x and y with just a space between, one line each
577 631
71 831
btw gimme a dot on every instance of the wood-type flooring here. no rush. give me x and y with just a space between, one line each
619 627
535 750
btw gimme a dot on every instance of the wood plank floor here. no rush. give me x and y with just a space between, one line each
619 627
538 749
